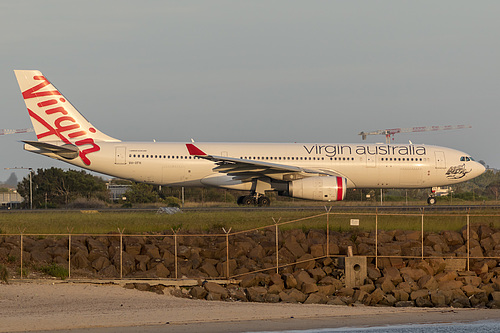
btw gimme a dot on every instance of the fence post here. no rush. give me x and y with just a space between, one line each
422 235
121 252
227 251
328 231
69 251
21 254
376 238
468 239
175 251
277 244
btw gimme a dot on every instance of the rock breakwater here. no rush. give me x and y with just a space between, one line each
306 273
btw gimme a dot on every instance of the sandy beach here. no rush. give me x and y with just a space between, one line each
56 305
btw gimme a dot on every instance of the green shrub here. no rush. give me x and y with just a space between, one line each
127 204
24 273
173 202
85 203
4 274
55 270
217 227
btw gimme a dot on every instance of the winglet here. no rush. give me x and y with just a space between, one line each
193 150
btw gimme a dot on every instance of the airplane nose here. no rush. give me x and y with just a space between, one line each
479 169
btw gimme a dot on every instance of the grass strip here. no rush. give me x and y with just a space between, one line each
214 221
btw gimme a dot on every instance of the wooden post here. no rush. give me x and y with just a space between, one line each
227 251
175 252
69 251
277 243
121 252
422 234
468 239
328 231
21 255
376 238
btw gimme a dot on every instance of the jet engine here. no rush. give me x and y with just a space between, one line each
327 188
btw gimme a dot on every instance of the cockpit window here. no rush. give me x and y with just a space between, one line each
466 159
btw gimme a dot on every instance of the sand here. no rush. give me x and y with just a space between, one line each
51 305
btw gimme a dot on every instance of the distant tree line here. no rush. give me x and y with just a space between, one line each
56 187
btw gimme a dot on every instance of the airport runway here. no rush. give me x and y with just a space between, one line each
335 208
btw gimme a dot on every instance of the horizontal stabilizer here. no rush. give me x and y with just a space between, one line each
67 151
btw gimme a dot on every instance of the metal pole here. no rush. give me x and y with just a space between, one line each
468 240
227 251
31 189
121 254
328 234
277 243
227 255
21 255
376 238
175 253
422 234
182 195
69 256
328 231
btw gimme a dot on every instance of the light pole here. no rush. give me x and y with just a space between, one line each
31 182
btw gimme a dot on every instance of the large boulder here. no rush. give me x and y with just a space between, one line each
393 275
453 238
256 294
303 277
80 261
295 248
428 282
214 288
316 298
375 297
292 296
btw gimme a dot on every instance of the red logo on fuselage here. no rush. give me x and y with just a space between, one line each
63 123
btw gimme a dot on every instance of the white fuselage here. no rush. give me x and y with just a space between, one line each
363 165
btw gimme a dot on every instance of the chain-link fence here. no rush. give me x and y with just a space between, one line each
387 239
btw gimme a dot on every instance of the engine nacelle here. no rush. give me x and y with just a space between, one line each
327 188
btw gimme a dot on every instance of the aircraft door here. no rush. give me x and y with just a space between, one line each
120 155
440 160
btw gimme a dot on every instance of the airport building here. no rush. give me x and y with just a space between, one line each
117 192
10 200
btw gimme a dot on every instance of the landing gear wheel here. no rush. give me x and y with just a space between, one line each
431 200
264 202
240 200
248 200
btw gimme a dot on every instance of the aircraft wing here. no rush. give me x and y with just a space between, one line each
245 170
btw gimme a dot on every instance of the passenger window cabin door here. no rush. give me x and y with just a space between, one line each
440 160
120 155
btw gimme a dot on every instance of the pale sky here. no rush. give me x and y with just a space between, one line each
263 71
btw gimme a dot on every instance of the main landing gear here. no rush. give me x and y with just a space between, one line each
254 200
431 200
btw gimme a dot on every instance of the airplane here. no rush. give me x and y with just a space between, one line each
314 171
